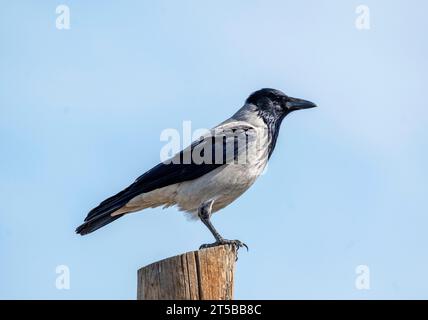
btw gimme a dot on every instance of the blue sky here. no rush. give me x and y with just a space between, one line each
81 112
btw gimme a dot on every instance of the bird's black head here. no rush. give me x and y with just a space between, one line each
273 105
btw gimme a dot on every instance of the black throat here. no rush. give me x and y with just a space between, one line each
273 123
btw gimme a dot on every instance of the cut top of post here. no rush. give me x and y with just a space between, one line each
205 274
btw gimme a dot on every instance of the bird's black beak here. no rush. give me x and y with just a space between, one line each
299 104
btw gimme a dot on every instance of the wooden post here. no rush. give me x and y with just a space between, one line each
206 274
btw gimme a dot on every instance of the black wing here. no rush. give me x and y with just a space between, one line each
222 147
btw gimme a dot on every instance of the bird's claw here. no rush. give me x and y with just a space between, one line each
237 244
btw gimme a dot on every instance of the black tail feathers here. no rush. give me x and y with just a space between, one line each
95 223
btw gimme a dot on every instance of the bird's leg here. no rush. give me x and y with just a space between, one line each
204 213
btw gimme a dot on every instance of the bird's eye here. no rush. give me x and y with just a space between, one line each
277 106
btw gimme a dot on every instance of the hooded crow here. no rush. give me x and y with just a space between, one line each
212 172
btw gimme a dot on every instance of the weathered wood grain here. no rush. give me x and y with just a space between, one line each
206 274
